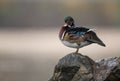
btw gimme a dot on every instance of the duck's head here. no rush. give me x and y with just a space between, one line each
69 21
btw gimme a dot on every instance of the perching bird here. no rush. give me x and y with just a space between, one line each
77 37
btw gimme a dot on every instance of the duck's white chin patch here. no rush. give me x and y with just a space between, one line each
75 45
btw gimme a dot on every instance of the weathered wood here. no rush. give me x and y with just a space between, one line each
77 67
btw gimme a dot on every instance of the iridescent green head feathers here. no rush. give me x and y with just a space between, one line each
68 18
69 21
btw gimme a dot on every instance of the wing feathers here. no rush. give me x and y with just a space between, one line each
81 34
95 39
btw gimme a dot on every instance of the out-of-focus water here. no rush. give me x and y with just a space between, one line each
30 55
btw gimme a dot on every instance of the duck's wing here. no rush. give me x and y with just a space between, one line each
88 35
74 35
94 38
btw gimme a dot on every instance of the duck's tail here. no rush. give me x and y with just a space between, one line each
94 39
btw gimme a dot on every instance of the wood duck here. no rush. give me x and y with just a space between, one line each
77 37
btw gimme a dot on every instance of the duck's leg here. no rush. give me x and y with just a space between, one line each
77 50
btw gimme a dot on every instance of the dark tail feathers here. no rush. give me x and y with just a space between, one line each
95 39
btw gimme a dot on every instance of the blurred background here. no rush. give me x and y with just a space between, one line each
29 43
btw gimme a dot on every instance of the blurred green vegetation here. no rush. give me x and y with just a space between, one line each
32 13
